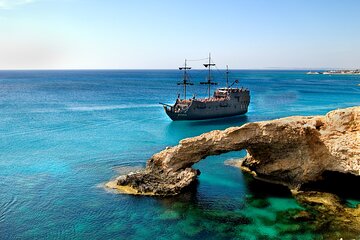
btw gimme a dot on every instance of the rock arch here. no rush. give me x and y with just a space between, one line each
290 151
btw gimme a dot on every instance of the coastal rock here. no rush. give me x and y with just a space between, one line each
332 218
154 182
292 151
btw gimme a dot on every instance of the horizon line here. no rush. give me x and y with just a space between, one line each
157 69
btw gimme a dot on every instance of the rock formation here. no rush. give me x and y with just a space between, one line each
331 217
292 151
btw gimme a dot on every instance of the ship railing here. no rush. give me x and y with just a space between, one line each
214 99
184 101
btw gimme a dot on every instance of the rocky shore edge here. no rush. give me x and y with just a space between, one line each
311 155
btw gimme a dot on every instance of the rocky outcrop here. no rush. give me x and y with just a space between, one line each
292 151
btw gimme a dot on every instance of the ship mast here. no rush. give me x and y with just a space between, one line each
209 80
186 80
227 76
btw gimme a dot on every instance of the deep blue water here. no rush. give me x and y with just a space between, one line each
65 133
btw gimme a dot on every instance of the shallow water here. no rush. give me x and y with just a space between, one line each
64 133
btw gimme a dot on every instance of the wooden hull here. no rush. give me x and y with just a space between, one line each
182 117
203 109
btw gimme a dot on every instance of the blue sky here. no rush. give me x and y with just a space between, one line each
159 34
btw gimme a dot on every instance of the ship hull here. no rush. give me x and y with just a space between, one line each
236 104
201 116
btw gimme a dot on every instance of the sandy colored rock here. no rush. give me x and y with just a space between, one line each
291 151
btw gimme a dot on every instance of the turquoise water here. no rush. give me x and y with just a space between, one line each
65 133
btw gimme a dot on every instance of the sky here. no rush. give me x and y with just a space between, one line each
160 34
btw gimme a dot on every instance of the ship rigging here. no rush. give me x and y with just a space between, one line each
225 102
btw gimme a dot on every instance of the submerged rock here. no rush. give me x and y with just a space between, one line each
258 202
291 151
332 218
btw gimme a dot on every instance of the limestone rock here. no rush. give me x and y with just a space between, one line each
291 151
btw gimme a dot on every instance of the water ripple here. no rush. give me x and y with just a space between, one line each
111 107
7 206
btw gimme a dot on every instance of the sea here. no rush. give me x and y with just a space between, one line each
64 134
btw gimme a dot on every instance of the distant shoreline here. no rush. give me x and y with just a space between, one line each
337 72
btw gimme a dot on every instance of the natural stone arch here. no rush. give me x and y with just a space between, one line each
289 151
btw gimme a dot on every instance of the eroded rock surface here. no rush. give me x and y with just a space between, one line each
291 151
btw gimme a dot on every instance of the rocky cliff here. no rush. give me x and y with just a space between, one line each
293 151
